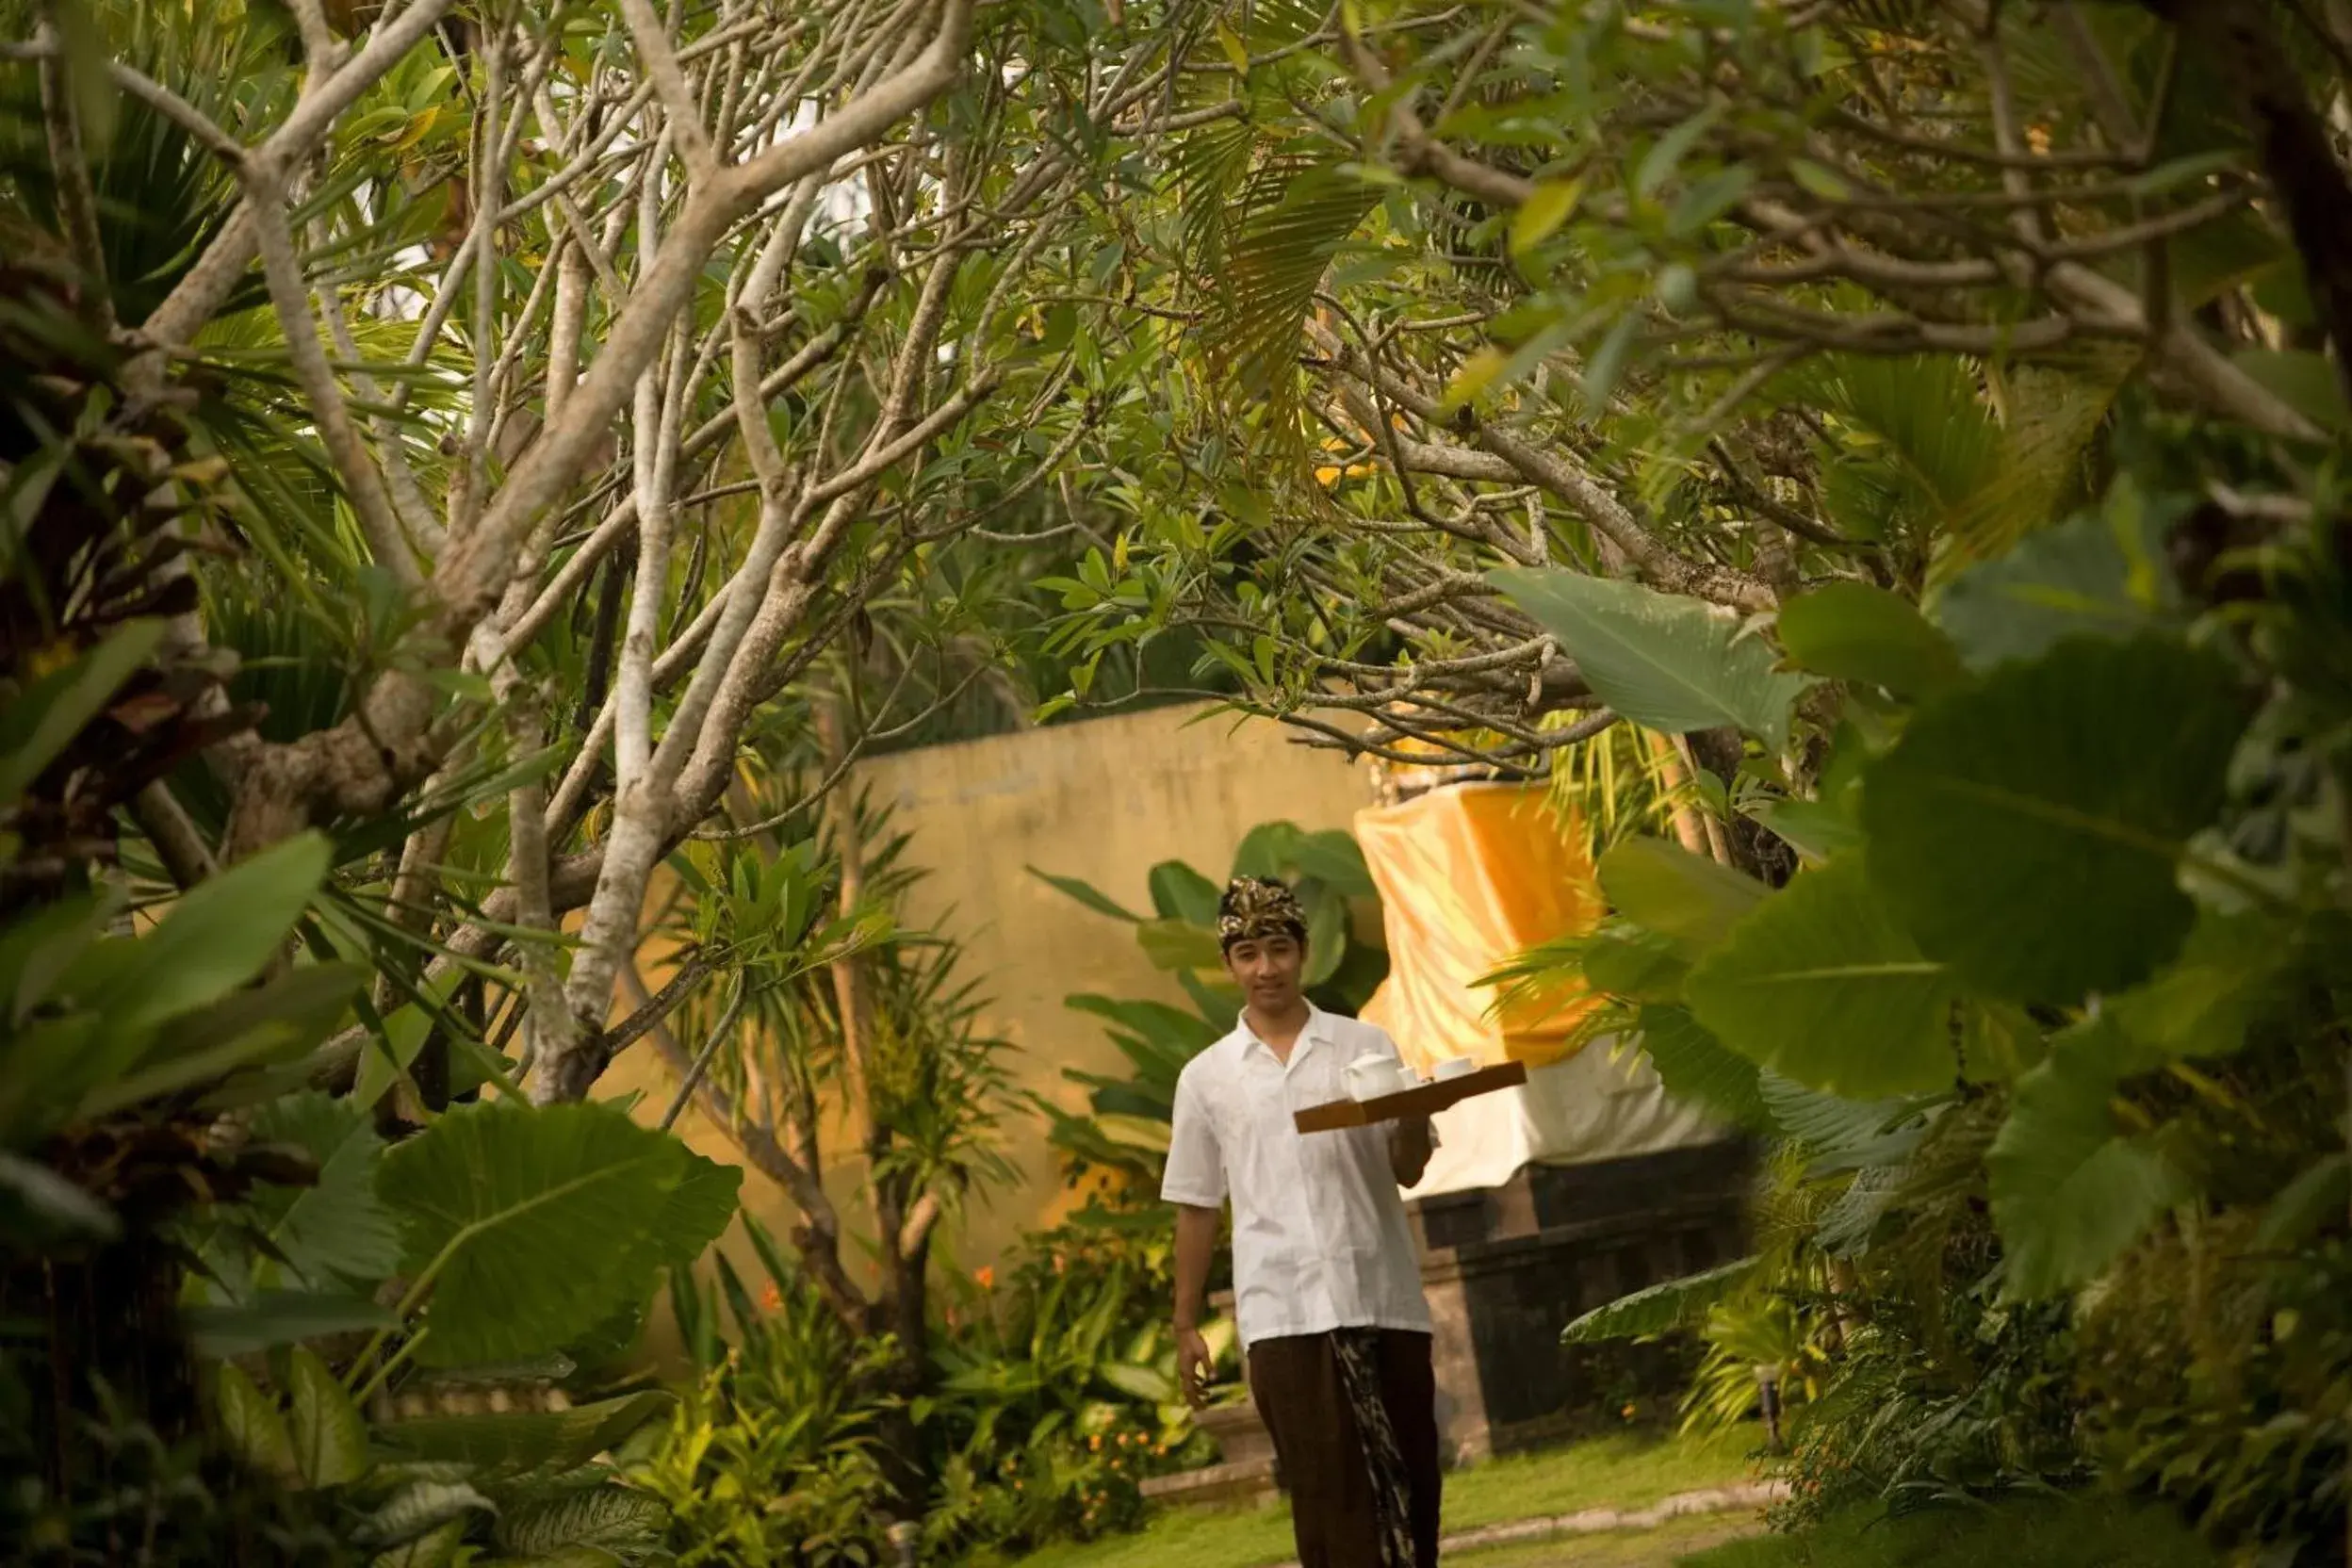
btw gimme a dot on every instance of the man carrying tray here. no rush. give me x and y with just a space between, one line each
1326 1282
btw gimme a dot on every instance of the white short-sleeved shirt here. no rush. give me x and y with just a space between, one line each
1321 1238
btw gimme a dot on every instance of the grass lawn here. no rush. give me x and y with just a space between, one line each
2086 1532
1623 1472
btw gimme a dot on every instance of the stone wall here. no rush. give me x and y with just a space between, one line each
1507 1268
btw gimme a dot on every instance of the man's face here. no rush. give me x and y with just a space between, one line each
1268 969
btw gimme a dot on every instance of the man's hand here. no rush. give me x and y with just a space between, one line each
1193 1365
1408 1149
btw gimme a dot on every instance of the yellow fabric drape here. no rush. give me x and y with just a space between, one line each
1470 875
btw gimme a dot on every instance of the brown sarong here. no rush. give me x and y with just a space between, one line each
1353 1415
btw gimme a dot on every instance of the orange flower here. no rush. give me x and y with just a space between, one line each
771 1300
1095 1443
984 1276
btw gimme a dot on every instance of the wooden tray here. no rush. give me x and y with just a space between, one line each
1427 1099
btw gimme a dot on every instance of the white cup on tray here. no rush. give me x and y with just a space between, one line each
1375 1076
1459 1067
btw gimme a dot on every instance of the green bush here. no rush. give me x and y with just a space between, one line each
1052 1398
2047 1028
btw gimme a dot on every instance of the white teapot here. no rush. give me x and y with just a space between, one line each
1371 1077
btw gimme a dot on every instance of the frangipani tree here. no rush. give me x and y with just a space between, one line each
623 361
1729 300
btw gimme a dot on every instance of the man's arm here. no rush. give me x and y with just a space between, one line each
1196 1244
1411 1142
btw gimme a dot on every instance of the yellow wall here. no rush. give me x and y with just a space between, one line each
1105 801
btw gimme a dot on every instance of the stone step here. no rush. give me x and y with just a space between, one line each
1216 1483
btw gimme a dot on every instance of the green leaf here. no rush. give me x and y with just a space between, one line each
1814 828
1695 1067
605 1518
1140 1383
41 721
1551 204
330 1439
1706 200
256 1432
1662 887
336 1229
1085 893
38 1204
1333 858
431 1550
563 1557
1662 1308
1269 849
1855 631
1170 1036
1659 165
1666 662
1822 986
1476 374
1635 966
1327 936
419 1510
274 1317
1607 362
42 944
1998 1043
2069 1192
1137 1131
1827 1126
217 935
2192 169
1174 944
1180 892
527 1222
386 1056
272 1022
2232 972
2304 380
1819 180
436 1549
699 1208
1236 52
2097 574
527 1440
2029 830
2307 1204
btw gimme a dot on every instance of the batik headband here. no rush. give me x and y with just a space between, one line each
1254 908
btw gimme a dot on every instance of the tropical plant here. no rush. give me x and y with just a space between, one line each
1054 1397
158 1050
2051 964
841 1006
1126 1129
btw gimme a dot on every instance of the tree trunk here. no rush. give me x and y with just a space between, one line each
900 1309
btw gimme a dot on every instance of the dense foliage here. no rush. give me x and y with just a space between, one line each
1054 1400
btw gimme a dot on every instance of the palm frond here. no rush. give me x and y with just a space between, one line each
1295 215
1660 1309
